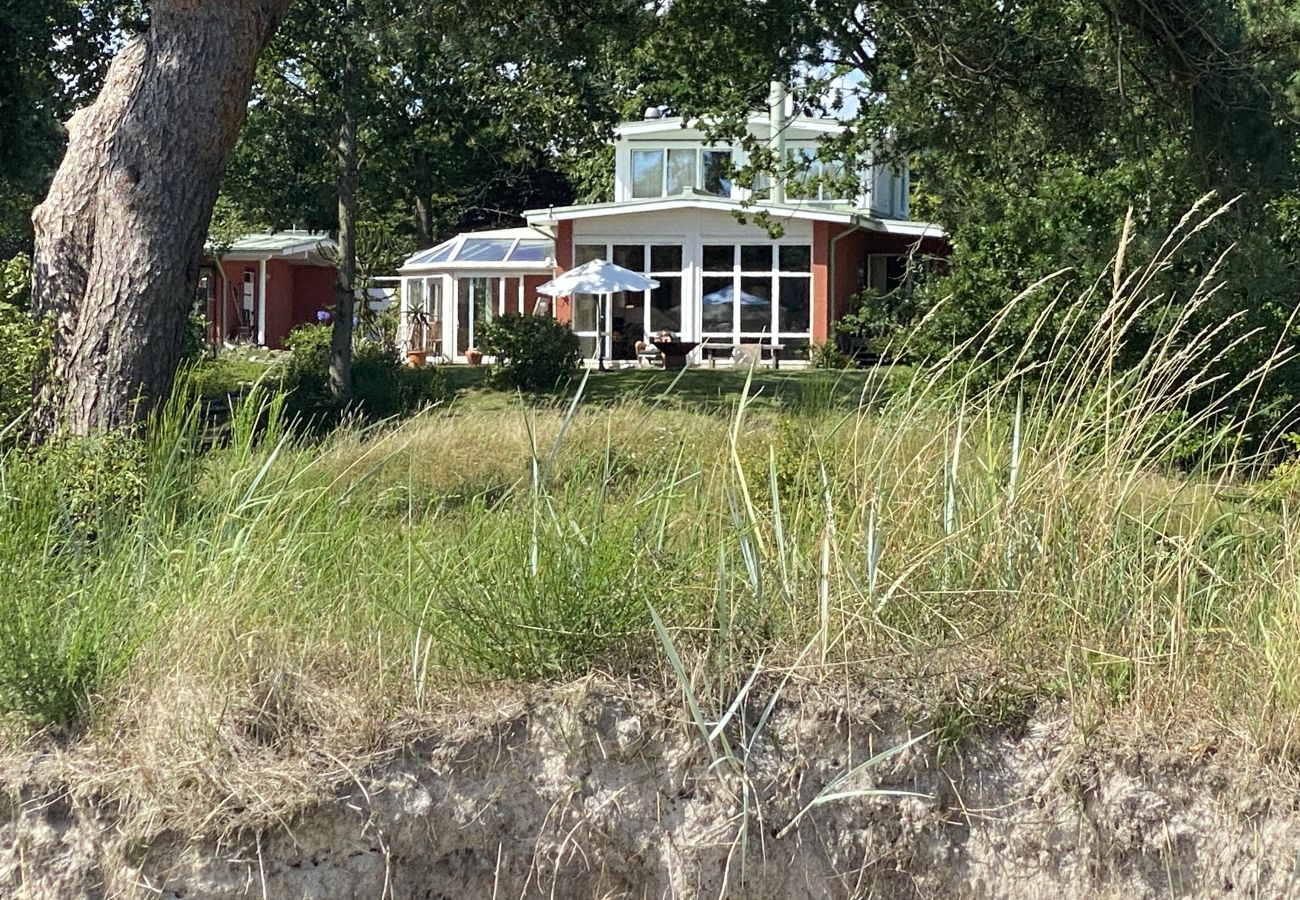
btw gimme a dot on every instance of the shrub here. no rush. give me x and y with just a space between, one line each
533 353
1283 483
381 385
220 376
828 356
194 341
21 341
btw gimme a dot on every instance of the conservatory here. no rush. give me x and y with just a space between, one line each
450 290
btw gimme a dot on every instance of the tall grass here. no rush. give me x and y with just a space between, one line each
990 535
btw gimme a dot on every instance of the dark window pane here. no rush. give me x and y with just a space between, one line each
629 256
756 304
629 315
647 173
717 302
756 257
715 164
796 259
666 258
796 308
681 171
794 348
666 305
719 257
585 253
626 324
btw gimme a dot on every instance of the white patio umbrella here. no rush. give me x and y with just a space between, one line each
599 277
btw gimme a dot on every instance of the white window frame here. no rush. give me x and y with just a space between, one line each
647 257
663 150
778 332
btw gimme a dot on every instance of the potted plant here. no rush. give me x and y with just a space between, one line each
473 356
417 353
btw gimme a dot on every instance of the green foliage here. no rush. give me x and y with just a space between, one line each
827 355
64 629
382 386
100 480
1283 483
22 342
218 377
194 341
533 353
507 618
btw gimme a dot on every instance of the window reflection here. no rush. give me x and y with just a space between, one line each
647 173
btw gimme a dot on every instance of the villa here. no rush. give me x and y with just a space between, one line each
724 282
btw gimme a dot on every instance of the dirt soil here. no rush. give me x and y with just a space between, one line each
595 790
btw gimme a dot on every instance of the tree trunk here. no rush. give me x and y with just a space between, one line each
346 292
422 199
119 236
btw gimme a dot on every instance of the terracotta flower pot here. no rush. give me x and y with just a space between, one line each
417 357
474 356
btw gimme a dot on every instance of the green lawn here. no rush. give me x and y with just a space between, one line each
702 388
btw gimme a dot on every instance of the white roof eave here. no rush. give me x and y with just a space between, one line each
670 204
902 227
451 268
668 125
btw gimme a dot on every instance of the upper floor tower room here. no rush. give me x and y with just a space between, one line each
663 156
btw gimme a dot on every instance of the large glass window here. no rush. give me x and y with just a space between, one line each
672 171
681 171
615 324
423 321
477 301
757 292
714 177
647 173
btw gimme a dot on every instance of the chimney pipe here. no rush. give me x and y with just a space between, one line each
776 118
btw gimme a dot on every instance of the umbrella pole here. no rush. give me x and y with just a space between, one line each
600 335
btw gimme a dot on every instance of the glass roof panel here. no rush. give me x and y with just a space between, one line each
484 249
437 254
531 251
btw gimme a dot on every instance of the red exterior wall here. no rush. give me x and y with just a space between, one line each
850 255
279 302
821 281
313 290
531 284
563 263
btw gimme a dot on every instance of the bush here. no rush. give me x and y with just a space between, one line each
216 378
382 386
533 353
21 341
194 341
828 356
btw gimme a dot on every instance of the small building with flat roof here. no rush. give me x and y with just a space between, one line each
264 285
